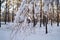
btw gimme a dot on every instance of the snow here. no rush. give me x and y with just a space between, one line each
35 33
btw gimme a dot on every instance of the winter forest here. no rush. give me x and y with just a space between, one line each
29 19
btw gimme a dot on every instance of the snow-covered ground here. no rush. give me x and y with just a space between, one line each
36 33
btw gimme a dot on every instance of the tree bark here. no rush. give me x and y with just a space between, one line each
6 13
33 16
46 25
40 13
0 13
51 21
57 13
12 16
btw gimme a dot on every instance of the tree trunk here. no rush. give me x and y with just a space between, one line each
12 16
33 16
0 13
40 13
6 13
57 19
57 13
0 19
51 21
46 25
8 16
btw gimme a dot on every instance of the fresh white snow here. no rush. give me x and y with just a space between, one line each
35 33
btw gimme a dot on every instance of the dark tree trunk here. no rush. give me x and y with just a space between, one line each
57 13
41 13
28 21
0 20
6 13
46 29
33 17
5 17
51 21
46 25
0 13
52 13
57 19
40 20
33 22
44 20
8 16
12 16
